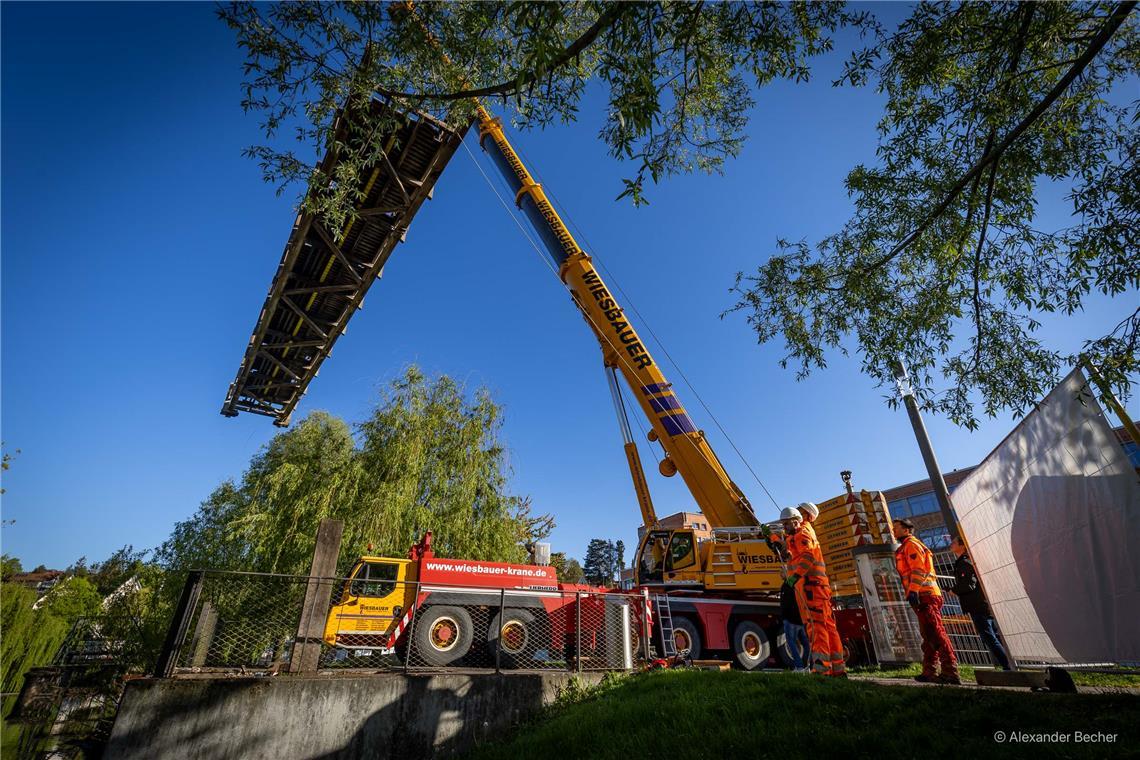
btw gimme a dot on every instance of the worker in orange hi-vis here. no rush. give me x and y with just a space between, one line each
915 564
808 574
837 664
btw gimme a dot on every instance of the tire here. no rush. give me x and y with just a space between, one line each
783 651
750 645
685 632
443 635
854 653
519 634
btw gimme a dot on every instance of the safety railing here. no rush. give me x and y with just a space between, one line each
260 624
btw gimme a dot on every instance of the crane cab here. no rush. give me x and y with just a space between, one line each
736 559
670 558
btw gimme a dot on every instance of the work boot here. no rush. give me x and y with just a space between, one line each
952 680
925 679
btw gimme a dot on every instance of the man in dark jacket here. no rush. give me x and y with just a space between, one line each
974 604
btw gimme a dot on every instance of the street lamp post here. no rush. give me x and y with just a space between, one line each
902 382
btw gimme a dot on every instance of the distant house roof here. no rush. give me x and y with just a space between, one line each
34 579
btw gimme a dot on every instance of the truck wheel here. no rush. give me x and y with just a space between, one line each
518 636
443 635
783 649
750 645
854 653
686 636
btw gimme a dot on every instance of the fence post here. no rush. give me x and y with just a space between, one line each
203 635
645 623
318 592
176 634
578 628
499 633
410 633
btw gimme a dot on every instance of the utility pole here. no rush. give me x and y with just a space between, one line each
902 382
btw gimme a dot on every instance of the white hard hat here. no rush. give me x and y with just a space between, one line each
810 508
790 513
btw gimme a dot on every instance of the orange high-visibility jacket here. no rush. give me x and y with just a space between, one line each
915 564
806 556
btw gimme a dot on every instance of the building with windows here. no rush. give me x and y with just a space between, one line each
917 502
695 520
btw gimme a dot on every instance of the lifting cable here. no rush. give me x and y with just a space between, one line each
549 264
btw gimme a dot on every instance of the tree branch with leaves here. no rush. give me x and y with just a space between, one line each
679 77
997 97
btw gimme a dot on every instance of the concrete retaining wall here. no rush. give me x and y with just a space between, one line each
376 716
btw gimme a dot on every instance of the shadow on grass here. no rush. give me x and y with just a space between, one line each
739 715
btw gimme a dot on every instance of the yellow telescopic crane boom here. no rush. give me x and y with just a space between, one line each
686 450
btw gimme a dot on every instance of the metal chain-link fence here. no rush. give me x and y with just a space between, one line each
257 624
968 645
65 709
243 621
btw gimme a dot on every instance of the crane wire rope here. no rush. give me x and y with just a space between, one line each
550 265
633 306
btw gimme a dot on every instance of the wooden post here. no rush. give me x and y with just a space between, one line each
1110 399
203 635
318 593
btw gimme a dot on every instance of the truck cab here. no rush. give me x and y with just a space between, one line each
370 604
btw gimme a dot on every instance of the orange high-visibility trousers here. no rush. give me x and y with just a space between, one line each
826 657
936 647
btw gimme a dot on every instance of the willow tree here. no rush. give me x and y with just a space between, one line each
947 260
429 457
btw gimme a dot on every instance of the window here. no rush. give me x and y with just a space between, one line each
936 539
1133 452
898 509
375 579
923 504
680 549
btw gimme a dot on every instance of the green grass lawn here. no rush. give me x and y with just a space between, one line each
967 674
698 714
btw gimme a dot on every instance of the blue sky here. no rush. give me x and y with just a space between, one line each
138 245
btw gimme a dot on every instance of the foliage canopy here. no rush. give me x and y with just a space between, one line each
678 77
945 262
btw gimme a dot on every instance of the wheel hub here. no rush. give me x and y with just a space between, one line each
444 634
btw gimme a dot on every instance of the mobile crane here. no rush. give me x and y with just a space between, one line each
720 591
738 565
713 595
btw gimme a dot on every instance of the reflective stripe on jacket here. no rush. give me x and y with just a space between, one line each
915 564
